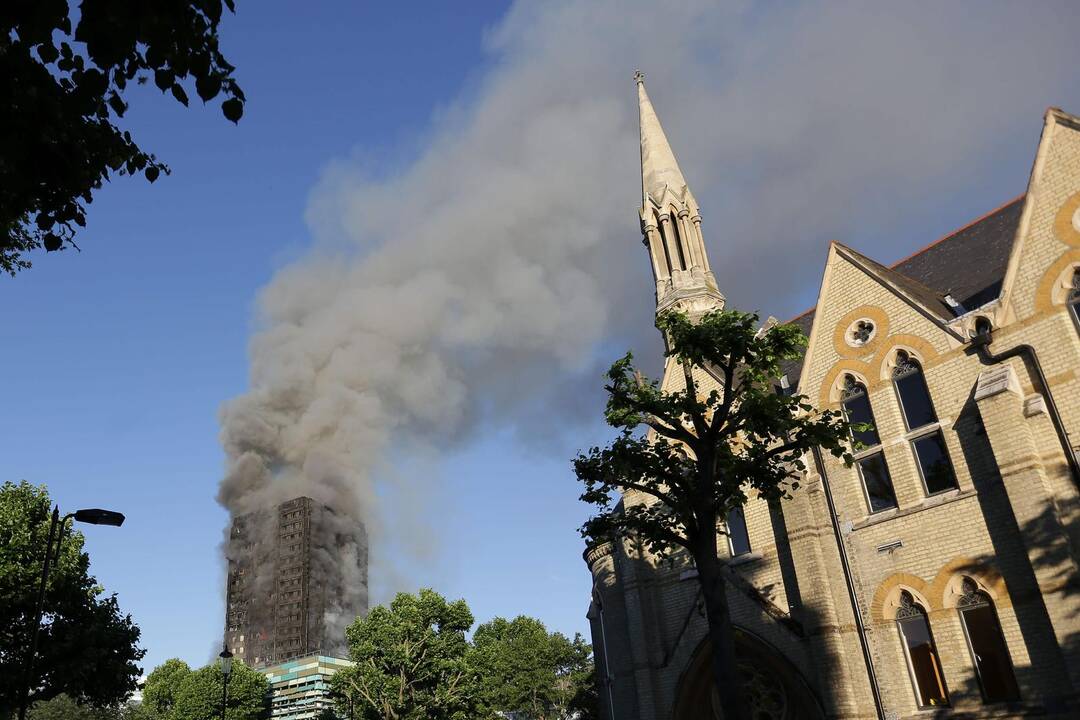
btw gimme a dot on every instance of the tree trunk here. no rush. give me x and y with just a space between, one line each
721 632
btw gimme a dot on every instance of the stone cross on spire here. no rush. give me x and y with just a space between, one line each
671 221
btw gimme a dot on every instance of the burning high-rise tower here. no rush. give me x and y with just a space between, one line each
297 578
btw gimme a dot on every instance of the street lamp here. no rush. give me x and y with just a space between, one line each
343 696
226 670
92 516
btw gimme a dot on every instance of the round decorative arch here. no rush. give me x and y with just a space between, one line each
1067 221
923 351
826 396
777 690
876 316
836 393
945 586
886 598
938 593
1053 287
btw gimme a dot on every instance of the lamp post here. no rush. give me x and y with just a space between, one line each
343 696
91 516
226 670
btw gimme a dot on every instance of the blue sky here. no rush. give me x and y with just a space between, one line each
883 129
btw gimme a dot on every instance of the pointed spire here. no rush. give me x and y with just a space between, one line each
659 169
671 222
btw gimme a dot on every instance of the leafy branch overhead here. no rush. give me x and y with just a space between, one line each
722 432
65 72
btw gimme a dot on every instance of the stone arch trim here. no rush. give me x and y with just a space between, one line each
825 395
881 331
984 574
923 350
694 698
1066 227
881 610
1047 295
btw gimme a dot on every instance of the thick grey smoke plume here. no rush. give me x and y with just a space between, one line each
487 280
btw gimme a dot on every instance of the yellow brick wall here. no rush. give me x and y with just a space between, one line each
1013 523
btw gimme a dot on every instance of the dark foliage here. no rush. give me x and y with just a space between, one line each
726 434
87 648
63 75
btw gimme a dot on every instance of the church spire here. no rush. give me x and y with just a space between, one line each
660 173
671 221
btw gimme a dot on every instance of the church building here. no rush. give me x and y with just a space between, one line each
937 576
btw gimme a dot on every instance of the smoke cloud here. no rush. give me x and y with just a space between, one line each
486 281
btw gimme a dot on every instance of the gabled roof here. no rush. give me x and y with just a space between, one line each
912 290
968 264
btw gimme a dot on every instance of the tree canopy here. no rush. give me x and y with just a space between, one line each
173 691
65 74
162 686
87 648
62 707
724 433
532 673
199 694
412 661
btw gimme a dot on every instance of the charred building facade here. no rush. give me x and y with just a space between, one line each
297 578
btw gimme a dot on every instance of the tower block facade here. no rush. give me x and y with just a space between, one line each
938 575
285 585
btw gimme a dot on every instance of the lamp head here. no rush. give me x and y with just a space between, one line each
226 660
97 516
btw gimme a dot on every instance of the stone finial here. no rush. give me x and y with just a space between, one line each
639 77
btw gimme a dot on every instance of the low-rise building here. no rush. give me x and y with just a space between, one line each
300 688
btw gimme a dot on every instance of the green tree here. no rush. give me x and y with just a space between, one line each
199 695
64 76
530 672
62 707
162 686
87 648
516 661
575 681
706 450
412 662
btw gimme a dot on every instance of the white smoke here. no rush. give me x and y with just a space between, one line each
487 281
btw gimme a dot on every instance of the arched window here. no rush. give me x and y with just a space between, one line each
663 244
986 642
738 536
921 653
676 238
911 387
873 471
1074 298
931 453
857 409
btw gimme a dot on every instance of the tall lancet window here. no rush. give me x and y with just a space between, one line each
931 454
987 645
738 535
676 239
921 652
1074 298
664 245
873 470
914 395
